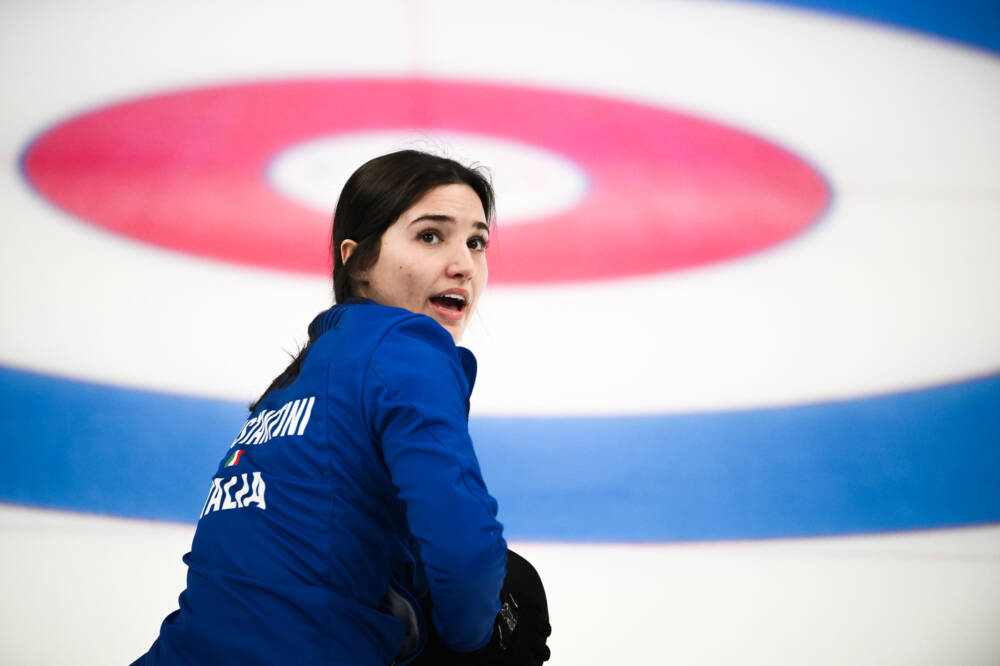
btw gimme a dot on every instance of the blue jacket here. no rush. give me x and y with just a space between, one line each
356 478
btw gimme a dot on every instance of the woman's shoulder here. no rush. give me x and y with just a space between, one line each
362 328
393 347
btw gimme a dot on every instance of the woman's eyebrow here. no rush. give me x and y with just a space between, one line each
446 218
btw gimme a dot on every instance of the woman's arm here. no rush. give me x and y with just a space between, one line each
415 399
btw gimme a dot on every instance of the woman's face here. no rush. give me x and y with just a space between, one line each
432 259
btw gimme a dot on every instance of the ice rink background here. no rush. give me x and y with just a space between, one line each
775 453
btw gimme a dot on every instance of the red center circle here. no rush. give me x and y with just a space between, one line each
188 171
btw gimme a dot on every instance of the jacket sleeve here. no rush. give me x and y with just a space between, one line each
415 404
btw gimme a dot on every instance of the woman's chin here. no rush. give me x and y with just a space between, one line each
456 328
453 321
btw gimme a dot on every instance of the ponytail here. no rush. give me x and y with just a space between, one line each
286 377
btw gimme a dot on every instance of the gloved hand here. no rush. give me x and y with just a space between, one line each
522 625
519 631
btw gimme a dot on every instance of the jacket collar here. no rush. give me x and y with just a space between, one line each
326 320
469 366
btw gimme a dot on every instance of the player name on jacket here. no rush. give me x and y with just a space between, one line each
289 419
238 493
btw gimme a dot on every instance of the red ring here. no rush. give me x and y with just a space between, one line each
187 170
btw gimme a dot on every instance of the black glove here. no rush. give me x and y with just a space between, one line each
519 630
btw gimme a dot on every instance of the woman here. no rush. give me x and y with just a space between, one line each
349 523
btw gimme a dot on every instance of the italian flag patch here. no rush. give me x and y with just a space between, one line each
233 459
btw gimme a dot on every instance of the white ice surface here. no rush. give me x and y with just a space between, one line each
895 288
90 590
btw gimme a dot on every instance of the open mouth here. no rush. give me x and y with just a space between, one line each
452 302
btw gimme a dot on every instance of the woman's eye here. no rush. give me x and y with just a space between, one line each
429 237
478 243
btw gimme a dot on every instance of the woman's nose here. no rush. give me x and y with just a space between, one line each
461 263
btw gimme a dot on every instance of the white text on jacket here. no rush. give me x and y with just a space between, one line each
289 419
231 496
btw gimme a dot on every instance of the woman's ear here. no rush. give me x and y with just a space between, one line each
356 277
347 247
